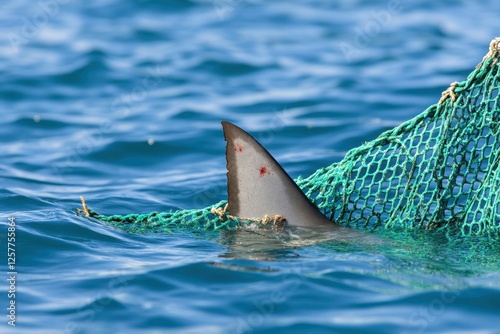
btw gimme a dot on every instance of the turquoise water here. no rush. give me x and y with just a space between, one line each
121 102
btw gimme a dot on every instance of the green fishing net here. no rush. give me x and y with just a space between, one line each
439 170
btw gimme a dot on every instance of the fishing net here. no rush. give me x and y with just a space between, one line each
437 170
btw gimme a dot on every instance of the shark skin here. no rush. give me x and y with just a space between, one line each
258 185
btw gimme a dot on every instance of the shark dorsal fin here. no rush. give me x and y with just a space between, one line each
258 186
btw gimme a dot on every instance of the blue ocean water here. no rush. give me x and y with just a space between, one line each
121 102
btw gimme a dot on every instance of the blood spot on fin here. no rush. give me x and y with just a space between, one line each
238 148
263 171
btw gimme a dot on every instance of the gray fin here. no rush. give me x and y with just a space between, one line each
258 186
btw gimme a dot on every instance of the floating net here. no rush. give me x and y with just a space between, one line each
439 170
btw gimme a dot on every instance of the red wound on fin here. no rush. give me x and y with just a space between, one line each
263 171
238 148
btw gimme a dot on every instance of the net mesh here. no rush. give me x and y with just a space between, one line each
437 170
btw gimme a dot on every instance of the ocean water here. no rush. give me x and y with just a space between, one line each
121 102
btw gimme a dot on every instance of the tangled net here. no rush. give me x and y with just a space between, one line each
438 170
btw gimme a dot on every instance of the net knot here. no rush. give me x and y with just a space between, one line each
84 208
221 212
494 51
278 221
449 92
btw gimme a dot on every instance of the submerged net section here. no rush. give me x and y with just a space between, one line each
437 170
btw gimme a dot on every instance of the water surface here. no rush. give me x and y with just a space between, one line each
121 101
